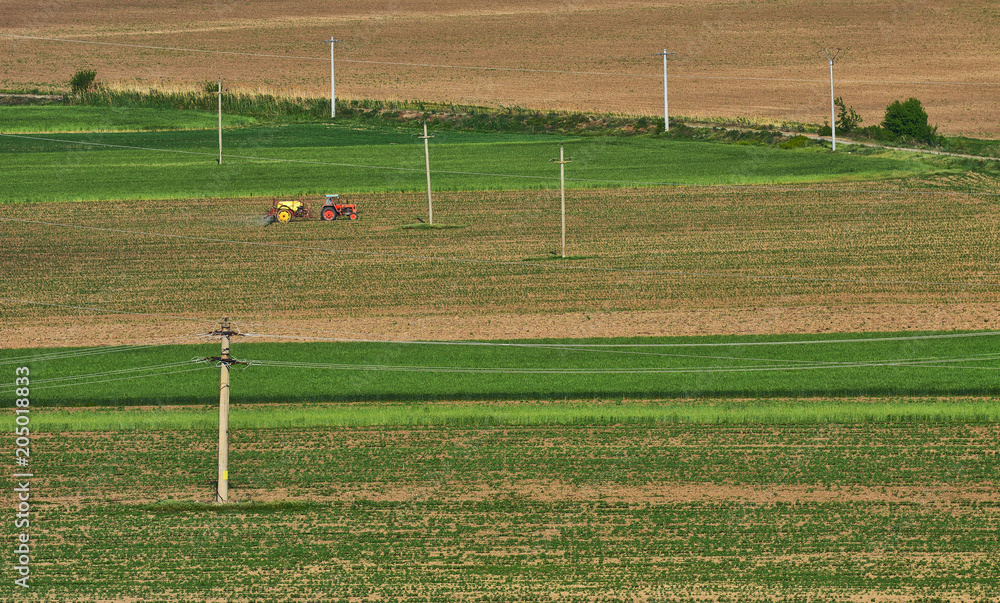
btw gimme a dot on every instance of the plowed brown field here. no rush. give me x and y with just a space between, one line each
735 58
681 261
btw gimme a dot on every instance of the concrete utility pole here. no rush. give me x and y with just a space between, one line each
222 495
830 55
333 82
666 109
225 332
220 120
562 194
427 162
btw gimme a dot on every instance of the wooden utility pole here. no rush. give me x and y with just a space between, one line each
562 194
427 162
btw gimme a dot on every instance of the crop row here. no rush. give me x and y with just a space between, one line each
469 551
332 461
820 512
887 411
637 250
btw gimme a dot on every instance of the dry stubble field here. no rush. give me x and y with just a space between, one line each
735 58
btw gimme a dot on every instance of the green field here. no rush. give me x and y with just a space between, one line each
318 158
897 364
58 118
700 411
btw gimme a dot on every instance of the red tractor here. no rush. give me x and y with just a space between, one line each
333 209
284 211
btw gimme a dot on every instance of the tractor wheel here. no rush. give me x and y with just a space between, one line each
328 213
354 215
284 215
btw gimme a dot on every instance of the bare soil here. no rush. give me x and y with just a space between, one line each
757 60
549 491
118 330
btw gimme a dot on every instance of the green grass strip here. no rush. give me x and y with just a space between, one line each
387 374
769 412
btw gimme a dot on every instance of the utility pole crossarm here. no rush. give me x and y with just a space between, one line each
221 360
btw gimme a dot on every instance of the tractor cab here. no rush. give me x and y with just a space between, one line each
334 208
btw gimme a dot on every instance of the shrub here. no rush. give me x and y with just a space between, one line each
82 81
847 118
909 120
875 133
795 142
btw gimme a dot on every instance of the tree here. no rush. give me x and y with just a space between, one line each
847 117
82 80
909 120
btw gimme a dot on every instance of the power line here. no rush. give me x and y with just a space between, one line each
533 265
934 362
79 380
64 354
650 345
600 370
606 349
490 68
609 347
116 372
554 346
